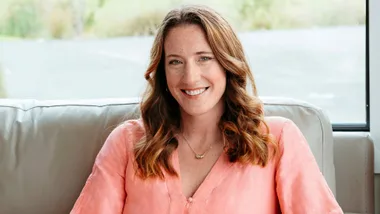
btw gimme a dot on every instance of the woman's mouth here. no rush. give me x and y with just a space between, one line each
194 92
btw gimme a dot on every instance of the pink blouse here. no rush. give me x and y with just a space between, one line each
291 184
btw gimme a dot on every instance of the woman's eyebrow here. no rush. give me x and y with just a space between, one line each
196 53
173 55
203 52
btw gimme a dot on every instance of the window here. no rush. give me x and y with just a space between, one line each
310 50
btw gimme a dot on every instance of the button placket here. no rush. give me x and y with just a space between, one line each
189 201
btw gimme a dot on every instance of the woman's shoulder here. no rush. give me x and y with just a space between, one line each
129 131
276 124
132 126
284 130
289 138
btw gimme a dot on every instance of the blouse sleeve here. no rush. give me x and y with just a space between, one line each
301 187
104 190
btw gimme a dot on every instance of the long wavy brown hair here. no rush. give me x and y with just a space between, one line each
248 140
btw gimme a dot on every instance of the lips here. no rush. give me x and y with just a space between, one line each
194 92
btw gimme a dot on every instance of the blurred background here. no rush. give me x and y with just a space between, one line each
62 19
88 49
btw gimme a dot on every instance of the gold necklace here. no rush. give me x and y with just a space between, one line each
196 155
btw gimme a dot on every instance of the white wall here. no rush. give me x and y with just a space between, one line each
374 26
374 15
377 194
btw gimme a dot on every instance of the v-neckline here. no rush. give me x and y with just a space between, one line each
212 180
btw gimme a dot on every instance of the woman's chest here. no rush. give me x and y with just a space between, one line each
239 190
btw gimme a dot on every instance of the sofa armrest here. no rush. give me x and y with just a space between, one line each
354 172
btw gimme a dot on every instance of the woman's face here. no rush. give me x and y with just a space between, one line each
194 76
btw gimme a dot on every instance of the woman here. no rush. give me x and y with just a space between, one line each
202 144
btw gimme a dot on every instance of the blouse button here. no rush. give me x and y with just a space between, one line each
190 199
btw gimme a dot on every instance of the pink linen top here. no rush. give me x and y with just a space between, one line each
289 184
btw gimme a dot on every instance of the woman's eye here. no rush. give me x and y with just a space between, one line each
175 62
205 58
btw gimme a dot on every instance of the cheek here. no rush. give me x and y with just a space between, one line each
218 72
172 79
169 78
220 79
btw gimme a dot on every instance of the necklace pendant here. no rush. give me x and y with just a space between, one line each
197 156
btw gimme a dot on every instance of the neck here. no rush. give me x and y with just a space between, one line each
202 130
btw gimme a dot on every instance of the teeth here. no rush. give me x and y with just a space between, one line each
195 92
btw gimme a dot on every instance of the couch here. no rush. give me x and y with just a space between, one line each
47 149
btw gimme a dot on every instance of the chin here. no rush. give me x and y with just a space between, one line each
196 111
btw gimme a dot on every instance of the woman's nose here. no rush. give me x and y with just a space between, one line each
192 74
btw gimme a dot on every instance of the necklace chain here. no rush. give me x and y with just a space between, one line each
196 155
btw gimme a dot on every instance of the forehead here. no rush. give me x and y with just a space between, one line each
186 39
